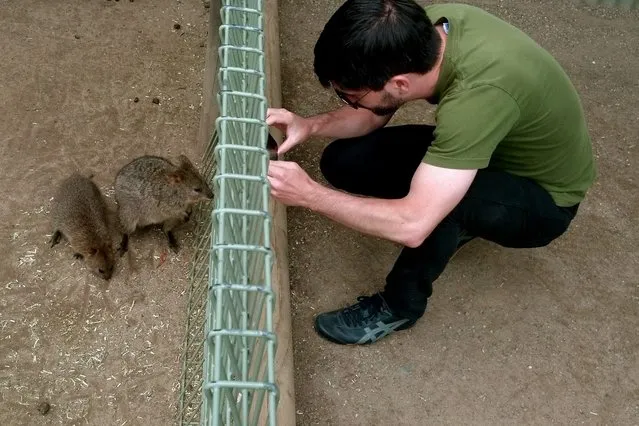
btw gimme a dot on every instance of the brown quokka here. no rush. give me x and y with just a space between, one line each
79 214
151 190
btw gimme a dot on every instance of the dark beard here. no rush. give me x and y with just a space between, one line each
392 106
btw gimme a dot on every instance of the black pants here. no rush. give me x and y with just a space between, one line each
500 207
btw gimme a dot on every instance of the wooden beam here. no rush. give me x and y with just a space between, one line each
282 317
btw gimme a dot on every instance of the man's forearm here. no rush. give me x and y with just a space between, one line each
346 122
388 219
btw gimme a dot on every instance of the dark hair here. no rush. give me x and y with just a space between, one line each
367 42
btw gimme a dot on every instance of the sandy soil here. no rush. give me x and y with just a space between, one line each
511 336
535 336
70 71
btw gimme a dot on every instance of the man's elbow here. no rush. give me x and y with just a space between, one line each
413 242
415 235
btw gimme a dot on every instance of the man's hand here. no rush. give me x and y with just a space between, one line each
297 129
290 184
343 123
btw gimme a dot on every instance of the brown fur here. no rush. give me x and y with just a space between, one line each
79 214
151 190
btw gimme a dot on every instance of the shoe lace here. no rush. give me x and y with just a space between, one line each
359 313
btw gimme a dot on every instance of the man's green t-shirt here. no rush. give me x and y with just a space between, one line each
504 102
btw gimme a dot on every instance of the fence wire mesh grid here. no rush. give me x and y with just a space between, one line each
228 355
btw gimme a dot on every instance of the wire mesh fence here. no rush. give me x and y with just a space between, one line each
228 355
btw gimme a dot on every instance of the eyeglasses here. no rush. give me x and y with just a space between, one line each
344 97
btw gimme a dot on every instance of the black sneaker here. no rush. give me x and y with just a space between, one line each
362 323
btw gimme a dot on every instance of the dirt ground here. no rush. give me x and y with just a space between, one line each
510 336
70 71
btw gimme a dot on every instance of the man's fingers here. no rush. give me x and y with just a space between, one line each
270 111
285 121
271 120
283 166
275 168
278 169
275 185
277 115
285 146
291 141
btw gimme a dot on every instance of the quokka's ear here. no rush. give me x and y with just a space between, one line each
185 163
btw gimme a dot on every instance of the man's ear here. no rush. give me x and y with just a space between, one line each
399 85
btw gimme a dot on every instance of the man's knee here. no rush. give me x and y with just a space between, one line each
510 226
334 162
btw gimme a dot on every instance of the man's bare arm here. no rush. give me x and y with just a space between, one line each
342 123
346 122
434 192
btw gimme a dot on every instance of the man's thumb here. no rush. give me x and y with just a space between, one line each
285 146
